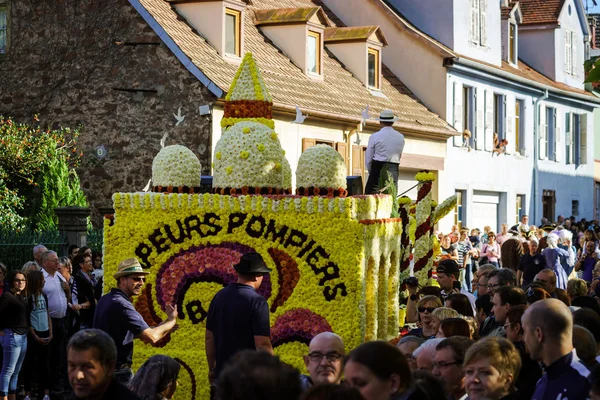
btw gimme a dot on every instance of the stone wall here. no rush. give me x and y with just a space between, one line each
74 62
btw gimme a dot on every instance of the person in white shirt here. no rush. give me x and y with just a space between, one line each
55 288
383 152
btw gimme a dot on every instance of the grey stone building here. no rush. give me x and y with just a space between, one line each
99 65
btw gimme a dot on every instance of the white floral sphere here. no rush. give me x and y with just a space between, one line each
321 166
176 166
249 154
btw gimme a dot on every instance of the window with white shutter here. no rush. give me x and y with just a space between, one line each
574 65
489 120
457 110
568 52
483 22
509 101
474 31
480 130
520 127
569 138
543 143
583 159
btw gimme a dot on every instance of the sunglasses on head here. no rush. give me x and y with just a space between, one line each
423 309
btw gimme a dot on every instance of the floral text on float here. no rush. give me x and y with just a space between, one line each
197 239
255 226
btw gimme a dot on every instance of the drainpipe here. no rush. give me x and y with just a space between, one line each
536 125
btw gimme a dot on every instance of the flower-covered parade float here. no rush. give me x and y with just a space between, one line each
335 259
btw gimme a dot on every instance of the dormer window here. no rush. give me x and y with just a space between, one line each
298 32
359 49
511 18
313 60
220 22
373 68
512 44
233 30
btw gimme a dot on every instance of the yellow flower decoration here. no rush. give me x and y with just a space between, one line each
277 166
244 154
229 170
218 155
246 130
274 136
334 268
260 146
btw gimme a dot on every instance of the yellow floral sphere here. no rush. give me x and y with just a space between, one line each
176 166
321 166
250 157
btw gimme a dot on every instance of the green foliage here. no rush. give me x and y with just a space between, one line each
386 183
592 69
37 174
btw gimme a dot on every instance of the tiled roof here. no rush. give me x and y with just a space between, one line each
338 94
352 33
522 70
285 15
541 11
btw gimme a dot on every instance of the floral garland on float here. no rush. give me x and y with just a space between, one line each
335 259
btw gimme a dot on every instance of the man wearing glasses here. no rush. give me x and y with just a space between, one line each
116 316
447 365
324 360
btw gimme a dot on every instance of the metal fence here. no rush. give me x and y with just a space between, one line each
16 248
95 239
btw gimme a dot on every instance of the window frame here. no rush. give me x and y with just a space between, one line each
459 208
520 204
469 112
375 53
551 134
4 6
237 14
318 37
520 126
512 43
500 115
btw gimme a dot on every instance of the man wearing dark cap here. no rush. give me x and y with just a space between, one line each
448 274
238 317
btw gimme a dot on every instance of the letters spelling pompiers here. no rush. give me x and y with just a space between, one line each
256 226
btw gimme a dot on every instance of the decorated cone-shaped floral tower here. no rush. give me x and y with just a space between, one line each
248 98
248 158
321 171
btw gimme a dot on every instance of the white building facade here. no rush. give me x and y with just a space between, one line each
482 60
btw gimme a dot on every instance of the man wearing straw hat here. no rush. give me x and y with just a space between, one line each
116 315
384 152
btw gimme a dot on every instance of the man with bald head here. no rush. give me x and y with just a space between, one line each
547 279
548 336
324 360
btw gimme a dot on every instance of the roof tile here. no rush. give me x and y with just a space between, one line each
541 11
339 92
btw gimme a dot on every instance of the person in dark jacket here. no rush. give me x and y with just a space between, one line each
548 333
92 357
85 290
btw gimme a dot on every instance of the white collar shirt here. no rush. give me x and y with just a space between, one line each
57 299
385 145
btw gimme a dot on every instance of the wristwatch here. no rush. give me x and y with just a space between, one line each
413 297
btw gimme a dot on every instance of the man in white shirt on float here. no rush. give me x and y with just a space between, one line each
383 152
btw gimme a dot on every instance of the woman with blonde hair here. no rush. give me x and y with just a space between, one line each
576 287
440 314
29 266
426 307
491 368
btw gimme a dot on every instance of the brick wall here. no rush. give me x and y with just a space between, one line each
64 61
